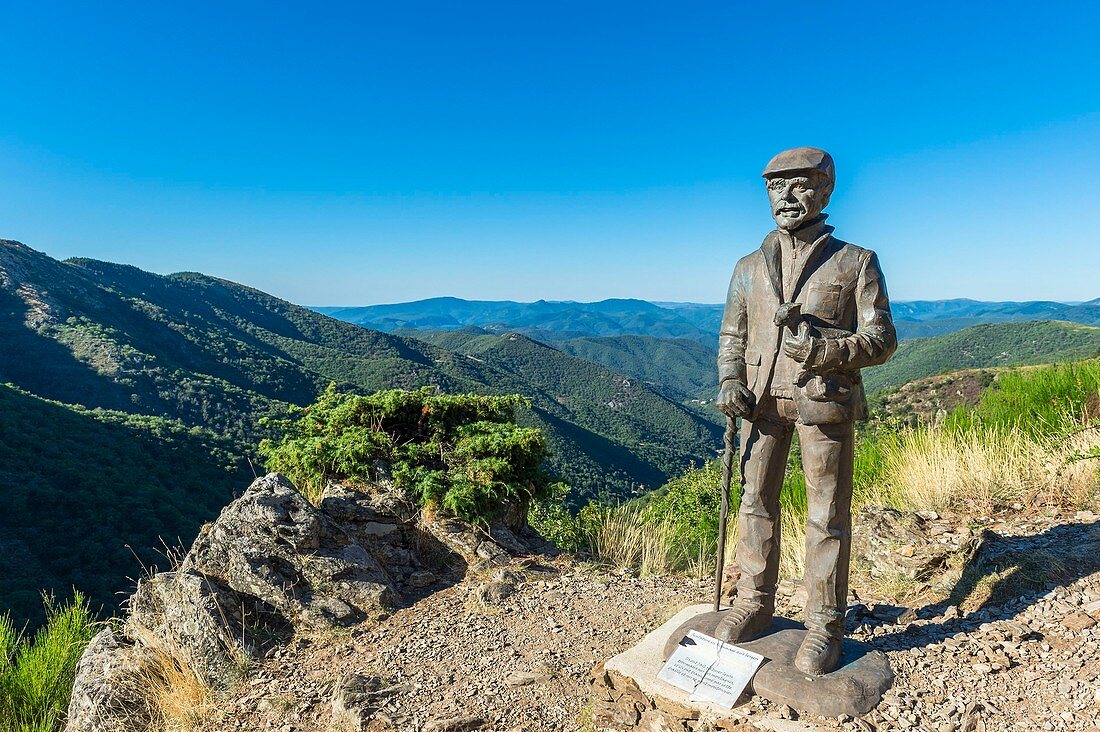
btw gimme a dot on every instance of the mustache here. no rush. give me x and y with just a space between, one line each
796 207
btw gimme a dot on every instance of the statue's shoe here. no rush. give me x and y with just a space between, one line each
744 621
819 653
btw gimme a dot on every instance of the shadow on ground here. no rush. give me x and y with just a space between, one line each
1008 575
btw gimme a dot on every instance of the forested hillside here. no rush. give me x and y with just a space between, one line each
661 431
684 368
679 368
202 352
89 495
1000 344
214 353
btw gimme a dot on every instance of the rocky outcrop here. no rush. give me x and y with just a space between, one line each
104 693
270 565
918 547
207 626
272 545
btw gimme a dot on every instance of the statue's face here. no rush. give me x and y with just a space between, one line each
796 199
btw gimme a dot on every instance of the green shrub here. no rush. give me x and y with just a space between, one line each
36 674
553 520
461 452
689 506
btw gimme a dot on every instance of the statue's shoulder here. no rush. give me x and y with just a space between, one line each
851 251
749 259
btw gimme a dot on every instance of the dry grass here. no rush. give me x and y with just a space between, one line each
174 698
623 537
792 547
983 586
979 470
974 471
180 699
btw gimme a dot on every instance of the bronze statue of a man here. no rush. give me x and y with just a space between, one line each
805 312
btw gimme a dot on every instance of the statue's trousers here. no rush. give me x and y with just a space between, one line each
827 460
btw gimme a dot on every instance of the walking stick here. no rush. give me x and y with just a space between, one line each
727 471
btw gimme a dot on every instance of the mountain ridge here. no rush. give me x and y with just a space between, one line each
553 320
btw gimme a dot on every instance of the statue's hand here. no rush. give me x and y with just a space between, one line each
735 399
801 347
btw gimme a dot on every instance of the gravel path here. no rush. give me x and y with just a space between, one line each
513 650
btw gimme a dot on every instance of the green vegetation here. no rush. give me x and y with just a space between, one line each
981 346
462 452
680 368
36 674
1039 400
1033 438
612 409
133 374
89 495
219 355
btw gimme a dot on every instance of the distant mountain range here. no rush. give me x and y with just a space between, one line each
547 320
670 346
684 370
543 319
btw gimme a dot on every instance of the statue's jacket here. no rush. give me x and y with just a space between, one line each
844 300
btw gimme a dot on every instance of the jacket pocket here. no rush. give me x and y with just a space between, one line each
752 369
823 300
831 388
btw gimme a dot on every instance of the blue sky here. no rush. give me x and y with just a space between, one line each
361 153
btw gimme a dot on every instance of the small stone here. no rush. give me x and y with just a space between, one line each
1078 621
455 724
521 678
421 578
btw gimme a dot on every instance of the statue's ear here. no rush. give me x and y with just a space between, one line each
826 191
824 184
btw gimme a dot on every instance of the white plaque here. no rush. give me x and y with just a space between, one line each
710 670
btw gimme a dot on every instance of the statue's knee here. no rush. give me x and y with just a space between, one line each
824 530
753 504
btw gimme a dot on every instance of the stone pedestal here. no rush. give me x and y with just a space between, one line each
627 695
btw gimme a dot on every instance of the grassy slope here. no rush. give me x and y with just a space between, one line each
999 344
1031 437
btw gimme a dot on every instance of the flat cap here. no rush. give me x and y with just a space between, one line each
801 158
